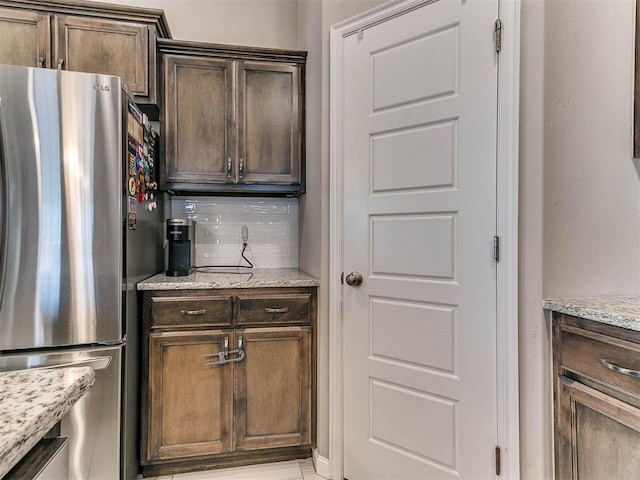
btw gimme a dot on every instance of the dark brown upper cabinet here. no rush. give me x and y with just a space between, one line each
86 37
25 38
233 119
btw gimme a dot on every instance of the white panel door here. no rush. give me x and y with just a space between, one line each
419 334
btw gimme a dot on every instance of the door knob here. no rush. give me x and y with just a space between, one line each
354 279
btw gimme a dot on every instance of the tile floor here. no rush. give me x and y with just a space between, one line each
291 470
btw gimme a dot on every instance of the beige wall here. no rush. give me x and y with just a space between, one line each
313 232
579 209
591 185
534 349
262 23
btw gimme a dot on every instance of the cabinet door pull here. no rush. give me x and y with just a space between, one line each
241 168
229 167
193 312
276 310
618 369
40 62
223 356
239 351
60 63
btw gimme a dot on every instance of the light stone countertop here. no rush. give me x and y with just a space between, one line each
32 402
230 278
620 311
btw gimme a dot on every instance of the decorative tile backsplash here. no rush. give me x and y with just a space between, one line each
272 224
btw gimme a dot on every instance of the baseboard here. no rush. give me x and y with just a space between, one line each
321 464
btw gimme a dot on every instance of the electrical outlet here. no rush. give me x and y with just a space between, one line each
244 236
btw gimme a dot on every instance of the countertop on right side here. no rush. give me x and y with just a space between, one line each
620 311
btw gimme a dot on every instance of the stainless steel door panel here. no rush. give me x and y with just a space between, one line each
93 423
4 201
63 165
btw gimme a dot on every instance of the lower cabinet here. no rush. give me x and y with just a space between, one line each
273 389
191 404
225 388
601 435
597 400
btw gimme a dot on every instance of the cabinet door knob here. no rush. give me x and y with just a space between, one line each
40 62
223 356
60 63
238 351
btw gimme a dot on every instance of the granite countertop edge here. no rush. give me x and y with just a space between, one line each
256 278
619 311
32 402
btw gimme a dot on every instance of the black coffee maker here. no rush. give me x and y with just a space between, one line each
181 234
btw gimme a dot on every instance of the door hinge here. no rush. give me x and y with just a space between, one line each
497 31
496 248
498 463
342 278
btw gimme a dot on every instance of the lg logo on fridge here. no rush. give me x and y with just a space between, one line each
101 88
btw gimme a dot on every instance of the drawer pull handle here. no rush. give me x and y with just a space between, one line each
622 370
193 312
276 310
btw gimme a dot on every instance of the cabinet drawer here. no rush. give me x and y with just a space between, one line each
584 354
275 309
187 311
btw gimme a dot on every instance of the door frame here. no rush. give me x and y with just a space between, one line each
508 428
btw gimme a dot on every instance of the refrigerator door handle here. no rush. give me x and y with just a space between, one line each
97 363
4 204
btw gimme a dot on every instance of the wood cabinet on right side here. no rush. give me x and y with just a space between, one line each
596 400
233 119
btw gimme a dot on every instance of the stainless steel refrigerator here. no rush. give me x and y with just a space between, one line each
78 230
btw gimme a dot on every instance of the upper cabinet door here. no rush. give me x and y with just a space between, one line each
269 123
198 120
105 46
233 119
24 38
